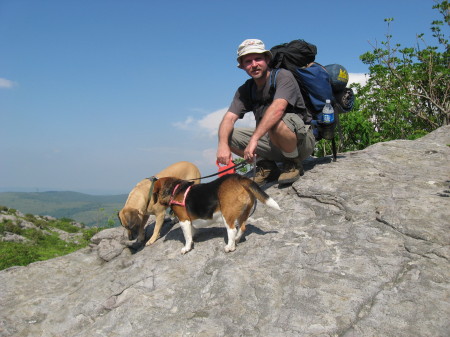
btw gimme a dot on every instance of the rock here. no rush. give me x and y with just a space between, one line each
108 234
361 248
68 237
8 217
77 224
49 218
109 243
12 237
27 224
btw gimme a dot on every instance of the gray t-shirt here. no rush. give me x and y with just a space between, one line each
248 98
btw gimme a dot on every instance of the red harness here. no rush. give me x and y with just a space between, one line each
174 202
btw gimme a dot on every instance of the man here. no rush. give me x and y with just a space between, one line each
281 134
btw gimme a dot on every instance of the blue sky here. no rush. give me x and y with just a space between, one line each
96 95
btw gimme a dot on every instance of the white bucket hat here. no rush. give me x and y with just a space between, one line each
251 46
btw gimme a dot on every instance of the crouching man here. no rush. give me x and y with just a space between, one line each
281 134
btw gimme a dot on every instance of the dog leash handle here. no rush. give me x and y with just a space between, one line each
226 169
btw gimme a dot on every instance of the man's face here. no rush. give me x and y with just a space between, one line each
255 65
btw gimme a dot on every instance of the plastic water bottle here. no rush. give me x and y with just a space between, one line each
328 113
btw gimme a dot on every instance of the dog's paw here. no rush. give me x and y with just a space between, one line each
152 240
229 249
184 250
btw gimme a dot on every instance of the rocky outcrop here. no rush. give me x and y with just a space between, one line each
19 220
361 248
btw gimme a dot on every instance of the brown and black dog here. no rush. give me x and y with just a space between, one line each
140 204
230 197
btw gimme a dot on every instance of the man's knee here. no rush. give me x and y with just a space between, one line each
306 144
240 137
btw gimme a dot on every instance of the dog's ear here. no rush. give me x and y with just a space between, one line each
160 194
119 215
130 218
156 189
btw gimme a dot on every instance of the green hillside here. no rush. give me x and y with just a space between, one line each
28 238
91 210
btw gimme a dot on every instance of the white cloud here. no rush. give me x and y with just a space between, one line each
210 122
6 84
185 125
247 122
358 78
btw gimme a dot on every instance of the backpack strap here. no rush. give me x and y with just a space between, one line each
273 82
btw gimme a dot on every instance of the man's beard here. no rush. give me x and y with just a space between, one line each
261 73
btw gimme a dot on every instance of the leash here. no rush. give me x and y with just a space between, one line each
236 166
228 168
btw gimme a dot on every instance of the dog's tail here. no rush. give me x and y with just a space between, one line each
259 194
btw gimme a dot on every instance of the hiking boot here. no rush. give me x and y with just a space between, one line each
291 171
266 170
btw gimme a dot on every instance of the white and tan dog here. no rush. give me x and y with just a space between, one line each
141 204
230 197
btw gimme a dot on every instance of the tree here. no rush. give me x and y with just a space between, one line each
407 94
408 91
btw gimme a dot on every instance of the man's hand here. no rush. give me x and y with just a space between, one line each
250 150
225 129
223 154
271 118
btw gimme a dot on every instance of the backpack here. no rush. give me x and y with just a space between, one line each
317 83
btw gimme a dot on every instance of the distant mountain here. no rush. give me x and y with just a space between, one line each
92 210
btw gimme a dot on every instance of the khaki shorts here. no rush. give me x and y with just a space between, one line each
240 138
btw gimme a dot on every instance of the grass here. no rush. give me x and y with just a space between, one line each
43 242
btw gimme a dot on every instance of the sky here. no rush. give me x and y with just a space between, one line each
96 95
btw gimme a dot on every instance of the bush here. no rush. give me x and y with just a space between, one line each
407 93
65 225
16 254
42 245
9 226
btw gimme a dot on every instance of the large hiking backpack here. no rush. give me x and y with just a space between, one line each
317 83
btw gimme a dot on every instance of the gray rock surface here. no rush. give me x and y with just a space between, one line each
12 237
361 248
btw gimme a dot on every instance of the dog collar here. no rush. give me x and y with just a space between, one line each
174 202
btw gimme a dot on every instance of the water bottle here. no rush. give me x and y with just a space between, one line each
328 113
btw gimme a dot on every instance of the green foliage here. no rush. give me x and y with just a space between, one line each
66 225
407 94
88 233
42 242
16 254
408 91
105 219
9 226
244 169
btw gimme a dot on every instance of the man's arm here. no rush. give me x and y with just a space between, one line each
271 117
225 128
